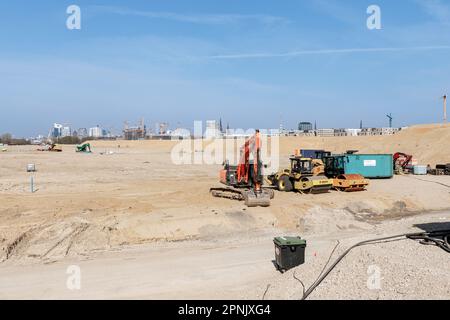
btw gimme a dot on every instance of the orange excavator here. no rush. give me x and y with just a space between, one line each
244 181
402 163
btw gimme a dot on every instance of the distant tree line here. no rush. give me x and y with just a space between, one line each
7 138
72 140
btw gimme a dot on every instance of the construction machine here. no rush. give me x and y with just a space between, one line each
334 169
402 163
305 175
50 147
244 182
342 182
85 148
350 182
443 169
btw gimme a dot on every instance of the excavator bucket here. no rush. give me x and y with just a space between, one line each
253 199
350 182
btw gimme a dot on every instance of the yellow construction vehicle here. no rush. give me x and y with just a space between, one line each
51 147
350 182
305 175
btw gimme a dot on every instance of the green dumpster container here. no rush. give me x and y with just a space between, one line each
289 252
371 166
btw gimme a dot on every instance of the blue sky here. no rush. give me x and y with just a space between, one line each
250 62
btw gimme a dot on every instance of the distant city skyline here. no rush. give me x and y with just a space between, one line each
66 129
252 63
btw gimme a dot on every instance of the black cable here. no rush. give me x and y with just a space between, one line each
265 292
321 272
438 238
426 237
329 259
301 282
436 182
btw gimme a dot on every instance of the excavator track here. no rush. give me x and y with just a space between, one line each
251 198
227 193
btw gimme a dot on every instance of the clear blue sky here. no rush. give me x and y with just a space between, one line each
250 62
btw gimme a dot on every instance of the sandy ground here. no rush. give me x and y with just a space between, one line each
140 226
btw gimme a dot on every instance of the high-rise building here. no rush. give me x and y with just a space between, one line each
305 126
82 132
96 132
212 129
56 131
134 132
66 131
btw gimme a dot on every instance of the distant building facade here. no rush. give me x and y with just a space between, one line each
325 132
346 132
66 131
56 130
378 131
212 129
82 132
305 126
96 132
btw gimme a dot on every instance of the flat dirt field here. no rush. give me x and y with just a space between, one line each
140 226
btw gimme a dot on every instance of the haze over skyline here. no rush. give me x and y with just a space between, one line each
247 62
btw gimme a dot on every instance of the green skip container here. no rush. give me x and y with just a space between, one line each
371 166
289 252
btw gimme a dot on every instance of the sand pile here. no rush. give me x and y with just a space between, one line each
429 144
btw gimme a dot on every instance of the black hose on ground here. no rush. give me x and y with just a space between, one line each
438 238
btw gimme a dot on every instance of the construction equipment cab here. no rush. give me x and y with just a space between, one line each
304 175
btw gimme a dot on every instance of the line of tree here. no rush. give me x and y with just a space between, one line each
72 140
7 138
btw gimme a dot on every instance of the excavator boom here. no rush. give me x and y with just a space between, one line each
244 181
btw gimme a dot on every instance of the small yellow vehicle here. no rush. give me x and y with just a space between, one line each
350 182
305 175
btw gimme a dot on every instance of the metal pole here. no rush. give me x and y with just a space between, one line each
445 108
31 184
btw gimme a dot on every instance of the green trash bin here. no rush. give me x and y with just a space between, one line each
289 252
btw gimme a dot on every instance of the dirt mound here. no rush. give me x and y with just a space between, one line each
429 144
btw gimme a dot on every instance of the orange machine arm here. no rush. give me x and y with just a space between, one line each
252 145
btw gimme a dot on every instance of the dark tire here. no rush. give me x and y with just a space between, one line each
284 184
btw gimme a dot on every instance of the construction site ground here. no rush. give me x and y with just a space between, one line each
140 226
